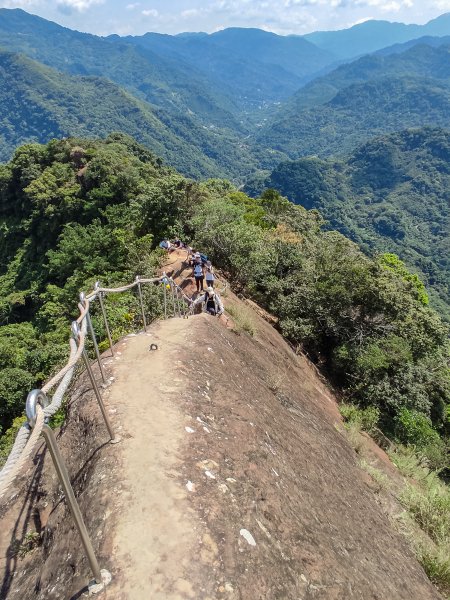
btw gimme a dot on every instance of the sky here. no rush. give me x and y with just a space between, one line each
134 17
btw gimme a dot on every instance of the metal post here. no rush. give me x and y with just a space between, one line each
178 301
98 396
105 320
64 480
173 297
92 332
141 303
165 295
33 398
76 335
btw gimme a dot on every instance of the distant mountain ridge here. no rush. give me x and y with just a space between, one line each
372 35
169 84
257 65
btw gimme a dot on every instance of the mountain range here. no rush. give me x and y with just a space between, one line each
389 195
372 35
240 103
372 95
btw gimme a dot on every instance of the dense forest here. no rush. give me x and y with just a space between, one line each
77 210
371 96
390 195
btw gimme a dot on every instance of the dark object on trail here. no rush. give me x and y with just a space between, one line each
153 347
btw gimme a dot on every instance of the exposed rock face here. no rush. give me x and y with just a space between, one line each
231 481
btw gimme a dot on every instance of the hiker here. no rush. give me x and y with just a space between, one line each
192 256
165 244
209 274
212 303
198 274
178 243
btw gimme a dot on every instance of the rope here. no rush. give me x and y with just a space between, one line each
183 295
27 438
72 361
16 463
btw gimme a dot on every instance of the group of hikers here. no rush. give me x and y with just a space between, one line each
203 272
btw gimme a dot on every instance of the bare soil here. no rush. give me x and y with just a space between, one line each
233 480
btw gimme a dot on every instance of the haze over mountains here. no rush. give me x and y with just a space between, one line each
239 102
372 35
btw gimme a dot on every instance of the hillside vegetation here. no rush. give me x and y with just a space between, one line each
371 96
390 195
174 101
39 104
77 210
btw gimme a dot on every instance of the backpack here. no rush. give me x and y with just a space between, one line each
198 270
204 258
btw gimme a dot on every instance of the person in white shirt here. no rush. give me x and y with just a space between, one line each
212 303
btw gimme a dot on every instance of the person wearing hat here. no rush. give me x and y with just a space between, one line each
198 274
209 274
212 303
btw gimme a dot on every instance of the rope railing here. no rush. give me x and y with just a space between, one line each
40 408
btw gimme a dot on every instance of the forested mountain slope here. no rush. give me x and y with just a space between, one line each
372 35
390 195
77 210
256 66
420 60
169 84
371 96
38 103
189 106
426 40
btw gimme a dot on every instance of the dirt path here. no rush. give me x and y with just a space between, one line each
231 482
154 532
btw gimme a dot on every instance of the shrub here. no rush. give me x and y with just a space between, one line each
7 440
415 429
366 418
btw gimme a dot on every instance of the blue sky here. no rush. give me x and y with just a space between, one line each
173 16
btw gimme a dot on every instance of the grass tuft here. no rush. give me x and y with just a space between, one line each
243 319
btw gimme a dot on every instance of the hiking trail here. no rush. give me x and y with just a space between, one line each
232 481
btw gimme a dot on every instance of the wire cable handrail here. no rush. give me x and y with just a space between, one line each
27 437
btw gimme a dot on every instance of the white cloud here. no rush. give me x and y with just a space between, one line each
150 12
279 16
190 13
68 6
19 3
